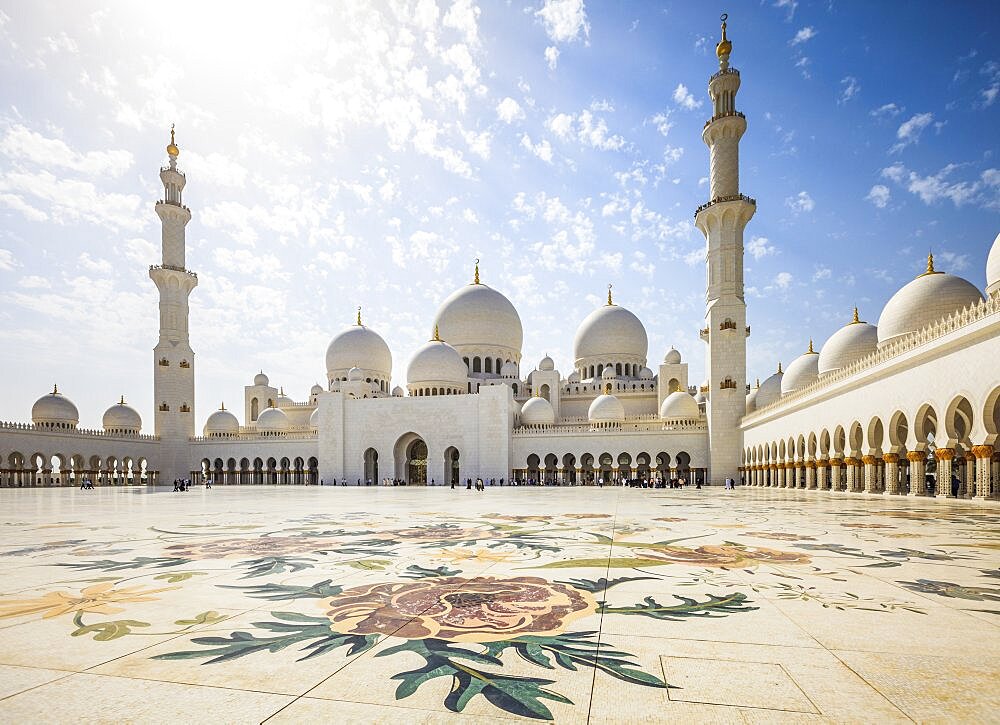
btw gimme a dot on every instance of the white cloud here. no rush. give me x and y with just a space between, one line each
888 110
783 279
23 144
789 5
822 273
684 99
936 187
849 88
463 16
542 149
509 110
662 122
214 169
15 202
564 20
804 35
7 261
760 247
989 94
879 195
909 131
552 57
588 129
561 125
801 202
71 200
33 281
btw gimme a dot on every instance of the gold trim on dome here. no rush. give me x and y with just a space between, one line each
724 47
172 147
610 303
810 351
930 266
358 323
437 336
779 366
856 320
475 279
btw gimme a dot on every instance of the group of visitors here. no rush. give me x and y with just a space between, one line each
184 484
86 485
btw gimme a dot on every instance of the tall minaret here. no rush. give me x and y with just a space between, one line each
722 220
173 359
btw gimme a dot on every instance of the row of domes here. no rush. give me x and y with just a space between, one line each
607 408
55 410
921 302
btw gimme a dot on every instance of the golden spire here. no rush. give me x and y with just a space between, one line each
223 406
724 47
359 316
437 334
122 401
475 279
810 351
779 366
172 148
55 389
609 296
930 266
856 320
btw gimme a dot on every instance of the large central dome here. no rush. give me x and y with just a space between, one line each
477 316
361 347
610 332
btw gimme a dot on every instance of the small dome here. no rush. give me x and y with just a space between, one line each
122 417
508 370
55 409
283 401
770 389
610 332
316 389
314 419
537 411
646 374
803 372
546 363
354 375
608 374
930 297
752 400
993 268
847 345
398 392
673 357
221 423
574 377
699 397
476 315
261 379
679 405
437 362
272 420
606 409
361 347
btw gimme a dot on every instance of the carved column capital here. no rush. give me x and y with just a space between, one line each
944 454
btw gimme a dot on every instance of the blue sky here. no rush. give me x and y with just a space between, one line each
367 154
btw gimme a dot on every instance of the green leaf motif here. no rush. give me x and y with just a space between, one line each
275 565
178 576
286 592
136 563
107 631
209 617
714 606
614 562
368 564
602 584
415 571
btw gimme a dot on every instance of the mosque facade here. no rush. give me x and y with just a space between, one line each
888 408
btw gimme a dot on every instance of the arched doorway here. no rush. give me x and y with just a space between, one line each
371 466
452 473
416 463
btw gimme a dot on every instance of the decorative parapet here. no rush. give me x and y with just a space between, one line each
724 72
244 435
653 424
932 332
723 199
727 114
78 432
173 268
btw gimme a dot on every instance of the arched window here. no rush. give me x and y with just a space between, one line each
514 388
618 369
489 365
477 365
499 366
254 409
600 369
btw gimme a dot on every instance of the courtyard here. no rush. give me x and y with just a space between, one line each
286 604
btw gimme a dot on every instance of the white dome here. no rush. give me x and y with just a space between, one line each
646 374
608 374
993 268
673 357
283 401
122 417
358 346
272 420
355 374
55 409
926 299
770 390
546 363
476 315
314 419
699 397
803 372
316 389
606 409
752 400
679 405
221 423
398 392
435 363
508 370
261 379
574 377
610 332
847 345
537 411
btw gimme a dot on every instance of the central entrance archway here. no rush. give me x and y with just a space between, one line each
410 459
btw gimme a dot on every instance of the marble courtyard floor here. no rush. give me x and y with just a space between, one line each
411 605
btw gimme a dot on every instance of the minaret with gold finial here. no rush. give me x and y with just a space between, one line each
722 220
173 359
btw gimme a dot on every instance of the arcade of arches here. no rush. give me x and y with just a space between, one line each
40 469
